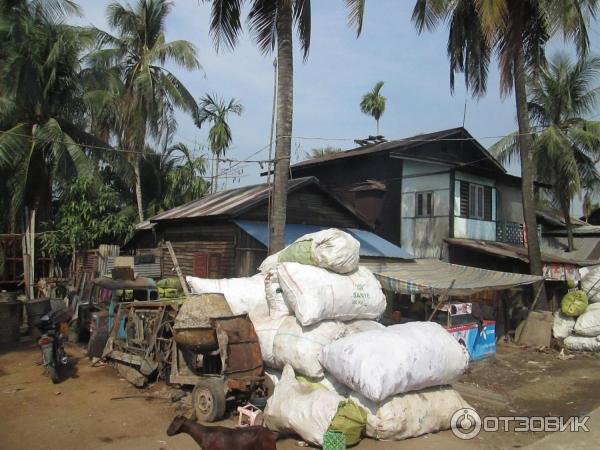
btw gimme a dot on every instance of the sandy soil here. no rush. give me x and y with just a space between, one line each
79 412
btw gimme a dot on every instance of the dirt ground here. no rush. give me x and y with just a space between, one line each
81 412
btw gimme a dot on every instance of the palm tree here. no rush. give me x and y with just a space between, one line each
172 177
319 152
216 111
139 52
517 31
42 104
271 22
373 103
566 148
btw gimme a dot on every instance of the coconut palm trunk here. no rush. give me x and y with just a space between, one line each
527 165
566 210
138 187
283 144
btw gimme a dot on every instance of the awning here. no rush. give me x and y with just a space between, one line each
371 245
432 276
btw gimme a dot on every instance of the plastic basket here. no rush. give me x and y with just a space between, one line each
332 440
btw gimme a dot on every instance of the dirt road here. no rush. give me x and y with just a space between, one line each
79 413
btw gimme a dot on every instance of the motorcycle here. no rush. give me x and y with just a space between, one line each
51 342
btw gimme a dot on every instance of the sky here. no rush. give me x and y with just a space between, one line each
329 85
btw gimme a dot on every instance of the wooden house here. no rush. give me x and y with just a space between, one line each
437 195
225 234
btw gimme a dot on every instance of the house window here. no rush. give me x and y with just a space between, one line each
475 201
424 204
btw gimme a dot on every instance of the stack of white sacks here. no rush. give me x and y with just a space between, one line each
582 333
319 324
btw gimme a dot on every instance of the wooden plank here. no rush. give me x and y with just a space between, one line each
184 285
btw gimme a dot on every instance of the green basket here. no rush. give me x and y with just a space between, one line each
332 440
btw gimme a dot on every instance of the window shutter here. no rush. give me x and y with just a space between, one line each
464 199
214 265
430 204
487 203
201 265
418 204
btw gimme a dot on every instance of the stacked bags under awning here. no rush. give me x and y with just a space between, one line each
578 319
316 318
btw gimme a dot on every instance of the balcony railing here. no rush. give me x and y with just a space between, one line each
513 233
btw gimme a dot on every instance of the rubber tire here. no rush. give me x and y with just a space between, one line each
208 399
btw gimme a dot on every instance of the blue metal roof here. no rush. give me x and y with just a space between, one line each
370 244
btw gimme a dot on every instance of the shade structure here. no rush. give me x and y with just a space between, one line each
432 276
371 245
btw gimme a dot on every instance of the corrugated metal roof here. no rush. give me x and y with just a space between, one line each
402 144
371 245
432 276
512 251
226 203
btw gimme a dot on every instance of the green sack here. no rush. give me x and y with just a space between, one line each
169 283
299 252
351 420
574 303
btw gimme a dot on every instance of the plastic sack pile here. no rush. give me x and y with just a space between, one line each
578 319
334 367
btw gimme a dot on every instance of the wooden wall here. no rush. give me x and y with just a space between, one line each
310 206
382 209
188 239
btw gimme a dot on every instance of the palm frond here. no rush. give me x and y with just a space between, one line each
506 150
356 14
262 24
302 19
225 24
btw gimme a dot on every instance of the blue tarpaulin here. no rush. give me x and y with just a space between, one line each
371 245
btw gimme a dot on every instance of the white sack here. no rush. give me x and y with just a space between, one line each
301 409
334 249
590 283
563 325
244 295
588 324
274 294
328 382
270 263
582 343
300 346
330 249
395 360
416 413
316 294
360 325
266 329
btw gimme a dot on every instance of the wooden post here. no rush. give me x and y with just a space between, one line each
443 299
184 285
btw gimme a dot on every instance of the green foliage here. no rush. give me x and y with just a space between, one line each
42 107
216 112
478 29
319 152
566 145
90 214
172 178
373 103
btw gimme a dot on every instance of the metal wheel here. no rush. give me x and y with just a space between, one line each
208 398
